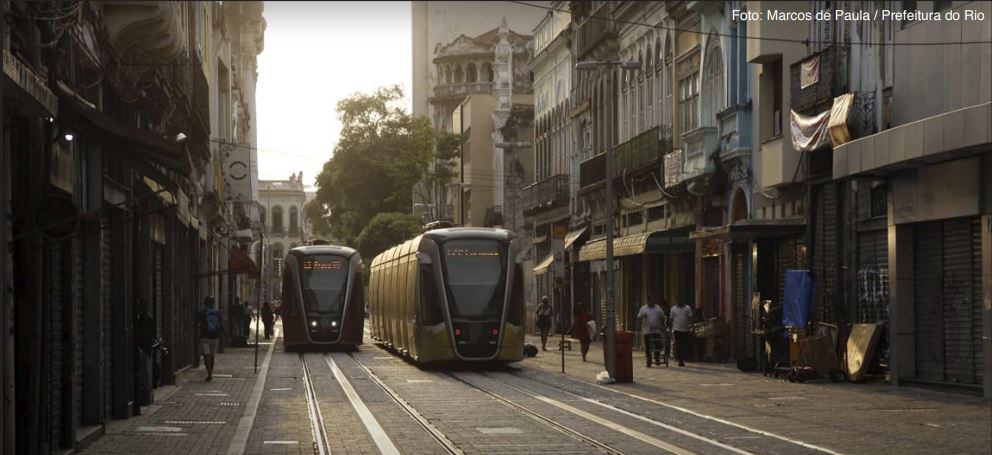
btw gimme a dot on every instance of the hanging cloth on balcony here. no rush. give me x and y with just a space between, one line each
544 265
809 133
810 71
838 119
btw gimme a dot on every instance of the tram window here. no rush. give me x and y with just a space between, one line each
516 314
323 280
475 277
288 293
430 311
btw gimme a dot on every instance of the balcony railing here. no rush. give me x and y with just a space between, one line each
597 28
462 89
545 195
832 81
592 171
641 151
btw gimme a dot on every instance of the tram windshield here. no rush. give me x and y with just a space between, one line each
475 277
323 280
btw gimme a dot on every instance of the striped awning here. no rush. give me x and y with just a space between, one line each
544 265
672 240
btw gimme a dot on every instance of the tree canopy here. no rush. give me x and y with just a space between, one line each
382 154
384 231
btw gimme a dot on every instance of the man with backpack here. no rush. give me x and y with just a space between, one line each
208 320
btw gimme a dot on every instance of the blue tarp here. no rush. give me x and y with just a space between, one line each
798 302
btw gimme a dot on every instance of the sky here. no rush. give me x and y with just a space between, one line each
317 53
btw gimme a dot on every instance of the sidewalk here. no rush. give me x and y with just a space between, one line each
192 416
854 418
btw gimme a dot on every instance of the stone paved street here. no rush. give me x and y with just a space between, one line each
531 408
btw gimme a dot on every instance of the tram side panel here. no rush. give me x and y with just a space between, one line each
293 319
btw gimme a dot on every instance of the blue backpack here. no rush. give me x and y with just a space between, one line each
213 321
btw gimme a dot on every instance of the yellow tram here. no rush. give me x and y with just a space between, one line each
450 295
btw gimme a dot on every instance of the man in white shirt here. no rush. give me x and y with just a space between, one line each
681 318
652 319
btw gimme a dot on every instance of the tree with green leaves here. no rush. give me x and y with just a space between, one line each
384 231
382 154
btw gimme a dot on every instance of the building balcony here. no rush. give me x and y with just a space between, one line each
592 172
458 91
778 164
141 31
641 153
598 28
545 195
700 145
832 77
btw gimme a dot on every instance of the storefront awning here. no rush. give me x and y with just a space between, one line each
140 142
571 237
673 240
544 265
239 262
749 229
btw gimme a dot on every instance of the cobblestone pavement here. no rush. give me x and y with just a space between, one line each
843 417
192 417
530 407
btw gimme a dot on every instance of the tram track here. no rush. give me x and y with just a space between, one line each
446 444
606 448
319 431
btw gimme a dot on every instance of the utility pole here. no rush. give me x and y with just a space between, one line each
611 335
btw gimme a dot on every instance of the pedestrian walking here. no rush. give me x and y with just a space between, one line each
582 329
681 317
652 319
208 321
544 321
249 316
268 319
236 324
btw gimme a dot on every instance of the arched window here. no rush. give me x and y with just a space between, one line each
459 74
447 74
487 71
714 90
261 215
649 89
472 75
277 220
294 220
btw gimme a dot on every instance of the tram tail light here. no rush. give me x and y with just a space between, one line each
458 332
495 331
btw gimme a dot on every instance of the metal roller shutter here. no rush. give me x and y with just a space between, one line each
947 267
958 298
873 276
825 253
742 304
927 266
108 298
79 336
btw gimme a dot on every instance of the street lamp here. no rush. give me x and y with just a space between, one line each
611 312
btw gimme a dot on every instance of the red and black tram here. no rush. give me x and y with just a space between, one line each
323 297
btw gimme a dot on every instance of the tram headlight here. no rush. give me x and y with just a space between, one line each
334 323
313 323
